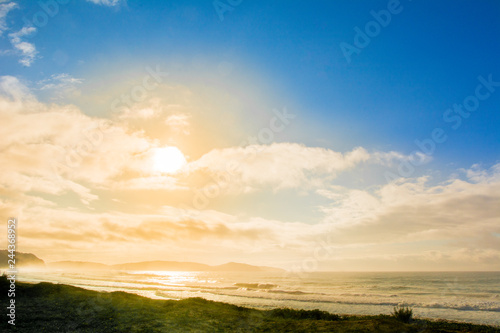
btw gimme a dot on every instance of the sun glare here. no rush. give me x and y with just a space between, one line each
168 160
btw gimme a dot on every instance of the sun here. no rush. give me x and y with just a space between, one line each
168 160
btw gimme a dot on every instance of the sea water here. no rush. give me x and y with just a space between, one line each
462 296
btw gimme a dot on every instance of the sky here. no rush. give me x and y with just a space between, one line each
311 136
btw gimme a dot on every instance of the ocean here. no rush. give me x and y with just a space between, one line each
472 297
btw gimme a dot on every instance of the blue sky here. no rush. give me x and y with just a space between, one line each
393 92
225 78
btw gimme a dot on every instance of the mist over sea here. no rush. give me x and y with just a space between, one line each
463 296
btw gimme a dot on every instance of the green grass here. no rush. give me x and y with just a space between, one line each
46 307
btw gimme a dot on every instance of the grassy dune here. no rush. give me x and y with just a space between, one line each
47 307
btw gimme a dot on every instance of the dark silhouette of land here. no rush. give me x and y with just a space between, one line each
21 259
30 260
163 266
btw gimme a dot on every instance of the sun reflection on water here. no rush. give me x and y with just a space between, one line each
173 278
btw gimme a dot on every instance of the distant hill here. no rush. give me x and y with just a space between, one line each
22 260
29 259
237 267
77 265
193 266
162 266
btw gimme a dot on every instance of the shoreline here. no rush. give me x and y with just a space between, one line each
342 301
47 306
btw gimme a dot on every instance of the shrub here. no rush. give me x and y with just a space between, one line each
403 313
316 314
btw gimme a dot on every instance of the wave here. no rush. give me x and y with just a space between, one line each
272 292
256 285
464 307
304 297
291 292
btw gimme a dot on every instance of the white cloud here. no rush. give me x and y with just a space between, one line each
477 174
5 8
411 210
156 112
279 165
179 122
106 2
61 85
27 50
149 183
140 112
115 232
391 158
56 81
288 165
11 87
55 148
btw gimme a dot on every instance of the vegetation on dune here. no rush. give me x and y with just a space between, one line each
316 314
46 307
403 314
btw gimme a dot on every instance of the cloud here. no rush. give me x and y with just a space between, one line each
157 114
149 183
179 122
27 50
61 85
78 180
14 182
279 165
140 113
390 158
434 260
53 147
170 232
287 165
110 3
411 210
480 175
56 148
5 8
186 230
11 87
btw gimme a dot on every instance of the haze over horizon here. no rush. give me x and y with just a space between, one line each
283 135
